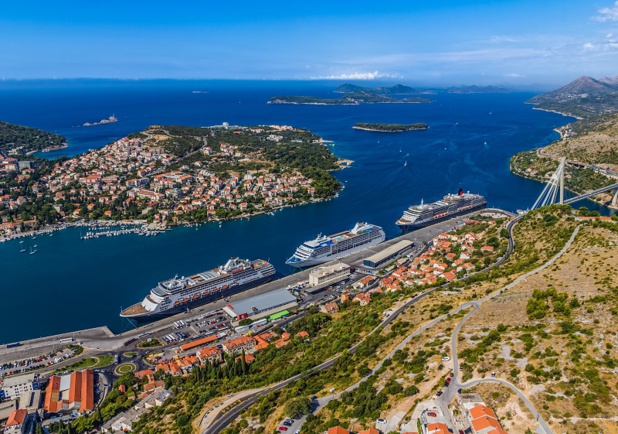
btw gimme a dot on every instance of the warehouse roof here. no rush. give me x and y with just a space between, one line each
262 302
389 251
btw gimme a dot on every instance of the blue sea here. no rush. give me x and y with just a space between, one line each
73 284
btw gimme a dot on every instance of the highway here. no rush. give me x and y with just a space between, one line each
223 420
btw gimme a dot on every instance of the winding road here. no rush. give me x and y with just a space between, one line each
224 420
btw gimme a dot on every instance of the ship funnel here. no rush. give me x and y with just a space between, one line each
461 192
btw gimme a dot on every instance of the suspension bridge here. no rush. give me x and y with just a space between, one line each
554 190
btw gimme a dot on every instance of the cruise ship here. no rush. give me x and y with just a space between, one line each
326 248
451 205
181 293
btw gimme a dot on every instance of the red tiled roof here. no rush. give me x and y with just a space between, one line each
17 417
338 430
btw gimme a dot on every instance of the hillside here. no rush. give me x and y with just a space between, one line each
20 140
582 98
589 142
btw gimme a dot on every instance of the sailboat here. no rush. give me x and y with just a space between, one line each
405 163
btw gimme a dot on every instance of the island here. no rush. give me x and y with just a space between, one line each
390 128
109 120
171 175
355 95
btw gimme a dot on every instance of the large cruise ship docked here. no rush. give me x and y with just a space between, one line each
326 248
452 205
179 294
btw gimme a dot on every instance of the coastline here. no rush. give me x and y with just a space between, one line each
554 111
592 198
50 149
160 227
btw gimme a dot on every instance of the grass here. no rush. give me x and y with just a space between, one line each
125 368
130 354
149 343
89 363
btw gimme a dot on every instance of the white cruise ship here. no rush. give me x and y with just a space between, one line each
178 294
327 248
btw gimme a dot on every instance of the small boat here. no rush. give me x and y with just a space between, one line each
32 252
35 246
405 163
22 250
21 242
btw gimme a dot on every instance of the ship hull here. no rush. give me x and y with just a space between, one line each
407 227
326 258
149 316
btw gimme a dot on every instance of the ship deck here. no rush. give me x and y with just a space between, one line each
136 309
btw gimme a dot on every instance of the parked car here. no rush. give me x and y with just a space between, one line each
282 428
381 420
446 358
439 393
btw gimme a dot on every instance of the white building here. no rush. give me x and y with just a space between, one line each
332 273
13 387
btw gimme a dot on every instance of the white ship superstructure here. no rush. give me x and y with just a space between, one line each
327 248
180 293
451 205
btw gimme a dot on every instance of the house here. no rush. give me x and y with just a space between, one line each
236 346
484 420
338 430
330 308
488 249
16 424
436 428
364 298
371 430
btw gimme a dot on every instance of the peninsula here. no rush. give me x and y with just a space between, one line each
390 128
582 98
171 175
17 140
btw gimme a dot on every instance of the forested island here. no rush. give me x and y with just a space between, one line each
390 128
19 140
355 95
172 175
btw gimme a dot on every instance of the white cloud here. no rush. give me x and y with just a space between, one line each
355 76
608 14
514 75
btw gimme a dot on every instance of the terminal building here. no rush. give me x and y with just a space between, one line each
261 305
330 274
381 258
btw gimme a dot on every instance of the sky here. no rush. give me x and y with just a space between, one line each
433 42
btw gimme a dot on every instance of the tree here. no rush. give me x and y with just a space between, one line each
297 406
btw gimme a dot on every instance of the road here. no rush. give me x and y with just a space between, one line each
447 226
450 392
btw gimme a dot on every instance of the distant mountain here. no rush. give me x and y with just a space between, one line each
581 98
478 89
398 89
